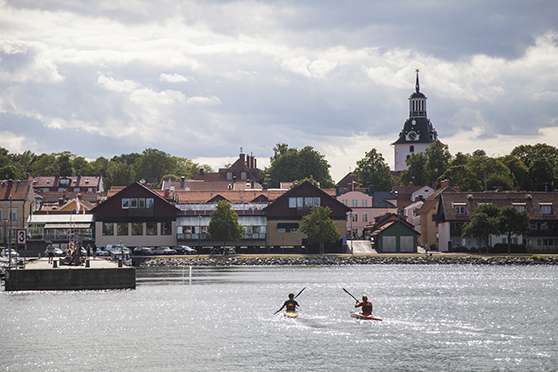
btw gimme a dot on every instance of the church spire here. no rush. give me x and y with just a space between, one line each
417 85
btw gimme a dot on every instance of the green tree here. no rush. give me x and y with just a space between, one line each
518 171
438 158
373 170
64 164
81 166
319 227
290 164
224 225
415 171
541 175
119 174
153 165
483 223
44 165
529 153
513 222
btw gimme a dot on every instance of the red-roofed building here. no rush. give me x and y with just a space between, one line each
56 188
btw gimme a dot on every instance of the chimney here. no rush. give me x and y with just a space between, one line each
167 193
255 166
242 157
60 202
182 179
444 183
201 172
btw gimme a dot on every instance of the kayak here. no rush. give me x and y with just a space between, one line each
290 314
364 317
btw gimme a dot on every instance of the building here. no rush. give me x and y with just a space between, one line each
242 174
16 204
392 234
62 188
455 209
135 216
284 217
418 132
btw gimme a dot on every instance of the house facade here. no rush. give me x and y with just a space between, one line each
16 204
136 216
455 209
62 188
392 234
284 217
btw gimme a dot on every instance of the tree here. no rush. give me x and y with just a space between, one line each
373 170
153 165
415 171
437 161
290 164
224 225
541 175
518 171
513 222
319 227
119 174
483 223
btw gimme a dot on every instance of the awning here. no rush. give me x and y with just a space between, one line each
68 226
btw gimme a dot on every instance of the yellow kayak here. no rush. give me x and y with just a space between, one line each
290 314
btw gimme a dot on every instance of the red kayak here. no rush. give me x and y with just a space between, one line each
364 317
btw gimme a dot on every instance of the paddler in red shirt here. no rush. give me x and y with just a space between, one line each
366 305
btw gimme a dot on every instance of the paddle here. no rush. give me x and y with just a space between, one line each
349 293
302 290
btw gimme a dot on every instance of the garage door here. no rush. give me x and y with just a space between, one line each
407 244
388 244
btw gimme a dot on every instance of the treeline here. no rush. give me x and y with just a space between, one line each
528 167
151 165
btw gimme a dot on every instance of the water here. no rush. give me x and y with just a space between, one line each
436 318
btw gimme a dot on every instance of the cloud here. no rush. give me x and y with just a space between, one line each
174 78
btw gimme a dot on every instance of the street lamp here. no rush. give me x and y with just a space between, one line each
10 236
351 216
199 232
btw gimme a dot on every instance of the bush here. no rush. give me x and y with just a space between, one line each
503 248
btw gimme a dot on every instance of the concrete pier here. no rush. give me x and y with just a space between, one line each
98 274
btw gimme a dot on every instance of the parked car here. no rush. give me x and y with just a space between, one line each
184 249
57 252
163 251
143 251
115 247
5 252
101 252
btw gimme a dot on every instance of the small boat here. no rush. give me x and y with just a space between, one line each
364 317
290 314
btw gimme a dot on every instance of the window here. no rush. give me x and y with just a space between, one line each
292 202
149 202
166 228
13 214
546 209
122 228
151 228
65 182
354 203
365 203
365 217
229 175
125 203
1 215
355 217
46 189
345 202
519 207
411 148
76 189
242 175
137 228
460 209
133 203
108 229
141 202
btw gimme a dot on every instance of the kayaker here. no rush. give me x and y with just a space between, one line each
366 305
290 304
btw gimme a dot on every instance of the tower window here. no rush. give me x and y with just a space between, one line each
411 148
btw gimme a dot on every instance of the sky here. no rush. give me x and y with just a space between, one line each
202 79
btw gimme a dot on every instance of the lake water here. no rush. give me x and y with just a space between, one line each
436 318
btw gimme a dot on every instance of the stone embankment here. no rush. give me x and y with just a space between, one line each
338 261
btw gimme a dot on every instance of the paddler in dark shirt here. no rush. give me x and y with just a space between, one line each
290 304
366 305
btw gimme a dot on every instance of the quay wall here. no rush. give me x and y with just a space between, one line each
355 260
70 279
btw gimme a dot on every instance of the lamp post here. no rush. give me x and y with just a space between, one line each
199 232
10 236
351 215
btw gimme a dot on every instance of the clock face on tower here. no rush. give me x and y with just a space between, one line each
412 136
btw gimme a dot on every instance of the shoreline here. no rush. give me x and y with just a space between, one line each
342 260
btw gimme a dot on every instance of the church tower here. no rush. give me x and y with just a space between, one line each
418 132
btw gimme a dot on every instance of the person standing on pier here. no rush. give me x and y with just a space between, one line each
50 252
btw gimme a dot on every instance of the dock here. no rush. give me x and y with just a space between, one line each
94 274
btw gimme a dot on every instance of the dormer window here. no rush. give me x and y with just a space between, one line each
546 208
48 181
460 208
